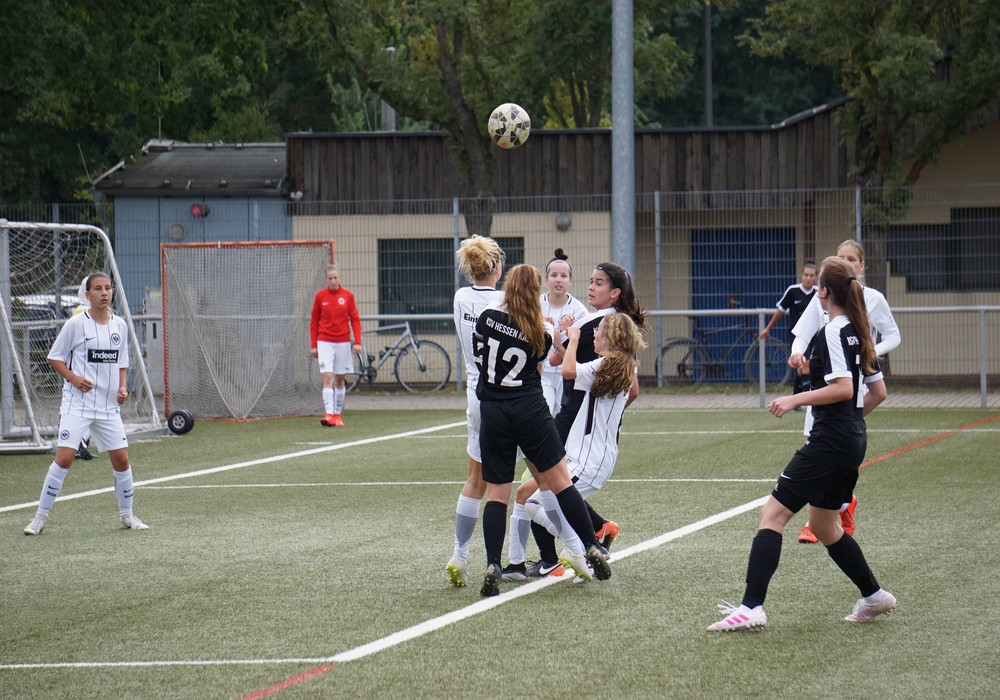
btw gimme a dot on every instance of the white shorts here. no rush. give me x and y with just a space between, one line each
473 420
334 358
552 388
107 433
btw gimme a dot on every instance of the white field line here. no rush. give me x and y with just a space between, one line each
342 484
241 465
422 628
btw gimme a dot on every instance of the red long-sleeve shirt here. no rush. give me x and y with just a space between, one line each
334 317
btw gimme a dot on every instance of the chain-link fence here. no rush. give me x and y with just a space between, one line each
709 261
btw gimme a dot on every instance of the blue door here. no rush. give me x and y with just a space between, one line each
739 268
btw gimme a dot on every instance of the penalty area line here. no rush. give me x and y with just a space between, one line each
250 463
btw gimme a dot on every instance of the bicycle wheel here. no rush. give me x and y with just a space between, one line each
776 369
428 372
362 370
683 363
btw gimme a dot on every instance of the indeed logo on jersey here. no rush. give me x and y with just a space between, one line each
109 356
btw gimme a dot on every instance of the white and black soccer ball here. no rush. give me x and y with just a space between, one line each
509 125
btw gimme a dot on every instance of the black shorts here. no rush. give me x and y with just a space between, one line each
822 474
522 422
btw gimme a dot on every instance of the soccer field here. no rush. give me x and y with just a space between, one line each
288 560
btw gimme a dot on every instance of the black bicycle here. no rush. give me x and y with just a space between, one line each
421 365
690 361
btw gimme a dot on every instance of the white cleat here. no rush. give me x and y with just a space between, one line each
131 522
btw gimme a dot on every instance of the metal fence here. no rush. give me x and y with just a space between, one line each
701 257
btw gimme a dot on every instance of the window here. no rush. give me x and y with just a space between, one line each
961 256
417 276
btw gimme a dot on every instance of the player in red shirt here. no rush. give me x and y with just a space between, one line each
334 319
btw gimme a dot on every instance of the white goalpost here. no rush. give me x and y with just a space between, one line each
41 267
236 327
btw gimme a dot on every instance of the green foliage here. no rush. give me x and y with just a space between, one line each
909 66
748 89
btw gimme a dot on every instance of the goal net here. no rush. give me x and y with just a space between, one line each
41 268
236 327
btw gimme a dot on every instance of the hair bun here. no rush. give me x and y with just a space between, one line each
560 254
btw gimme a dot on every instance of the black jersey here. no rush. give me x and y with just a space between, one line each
794 302
836 352
507 367
573 398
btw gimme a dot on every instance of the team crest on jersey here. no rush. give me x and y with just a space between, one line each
341 301
64 435
115 338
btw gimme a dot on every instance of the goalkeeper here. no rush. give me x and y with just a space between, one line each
334 318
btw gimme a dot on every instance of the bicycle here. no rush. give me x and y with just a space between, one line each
421 365
689 361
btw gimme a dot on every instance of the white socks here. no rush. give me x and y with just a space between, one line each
328 399
338 400
466 517
50 488
124 490
520 528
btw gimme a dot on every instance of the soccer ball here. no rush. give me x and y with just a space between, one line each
509 125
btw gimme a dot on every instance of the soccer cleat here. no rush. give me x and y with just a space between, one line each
131 522
539 569
608 533
515 572
806 536
458 571
491 582
598 562
866 612
738 617
577 562
337 420
329 420
35 526
847 515
83 451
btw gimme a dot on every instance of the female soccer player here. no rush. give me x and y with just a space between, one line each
881 323
91 354
481 261
560 308
334 318
823 472
511 341
592 446
610 291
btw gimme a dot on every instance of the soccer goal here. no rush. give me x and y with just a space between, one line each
41 268
236 327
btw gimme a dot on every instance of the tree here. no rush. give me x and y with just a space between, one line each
748 89
918 74
97 80
454 60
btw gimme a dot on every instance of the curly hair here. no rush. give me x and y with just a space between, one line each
623 340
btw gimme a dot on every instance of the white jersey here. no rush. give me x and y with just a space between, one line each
573 307
469 303
592 445
96 351
880 322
